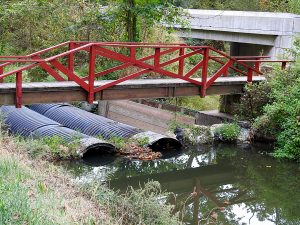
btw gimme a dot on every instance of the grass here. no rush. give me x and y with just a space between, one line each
34 191
197 103
136 206
228 132
50 148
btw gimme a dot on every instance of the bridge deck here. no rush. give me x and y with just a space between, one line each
45 92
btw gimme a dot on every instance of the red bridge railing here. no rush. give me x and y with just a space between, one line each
60 61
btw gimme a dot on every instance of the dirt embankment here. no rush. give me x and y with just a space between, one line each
48 192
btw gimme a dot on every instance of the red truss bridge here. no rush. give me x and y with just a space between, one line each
122 70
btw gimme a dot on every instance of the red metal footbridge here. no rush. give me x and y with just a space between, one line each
83 70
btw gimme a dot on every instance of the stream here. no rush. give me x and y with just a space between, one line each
231 184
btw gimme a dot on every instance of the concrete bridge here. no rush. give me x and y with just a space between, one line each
250 33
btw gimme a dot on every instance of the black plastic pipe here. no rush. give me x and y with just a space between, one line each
95 125
28 123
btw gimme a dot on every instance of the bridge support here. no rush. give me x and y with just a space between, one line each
103 107
244 49
228 103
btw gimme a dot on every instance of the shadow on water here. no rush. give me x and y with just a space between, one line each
96 160
223 184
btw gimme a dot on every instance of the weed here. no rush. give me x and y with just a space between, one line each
119 142
228 132
141 142
50 148
135 206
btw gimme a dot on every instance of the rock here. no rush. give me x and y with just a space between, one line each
245 136
170 134
199 134
213 132
179 132
204 139
244 124
87 107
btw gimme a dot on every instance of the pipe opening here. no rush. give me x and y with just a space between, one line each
164 144
158 142
95 159
98 150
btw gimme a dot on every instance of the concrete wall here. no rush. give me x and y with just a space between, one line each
258 28
141 116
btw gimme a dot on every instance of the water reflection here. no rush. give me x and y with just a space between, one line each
222 184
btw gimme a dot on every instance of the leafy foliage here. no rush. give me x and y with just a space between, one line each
30 25
228 132
252 102
282 117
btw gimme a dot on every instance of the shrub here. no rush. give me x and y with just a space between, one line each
136 206
228 132
252 102
283 116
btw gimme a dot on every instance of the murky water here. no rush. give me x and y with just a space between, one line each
222 184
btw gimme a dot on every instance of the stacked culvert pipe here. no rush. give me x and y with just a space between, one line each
95 125
28 123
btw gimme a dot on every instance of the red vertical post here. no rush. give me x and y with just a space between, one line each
257 65
91 75
19 89
204 72
71 60
156 58
181 62
249 75
1 72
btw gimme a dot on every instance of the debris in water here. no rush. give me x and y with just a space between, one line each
133 151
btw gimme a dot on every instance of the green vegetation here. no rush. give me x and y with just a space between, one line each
30 25
123 143
135 206
274 108
50 148
254 99
196 103
228 132
281 118
37 192
14 200
192 133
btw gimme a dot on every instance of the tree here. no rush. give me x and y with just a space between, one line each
139 15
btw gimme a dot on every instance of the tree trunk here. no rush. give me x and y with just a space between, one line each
131 21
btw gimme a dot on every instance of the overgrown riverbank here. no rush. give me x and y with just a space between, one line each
35 191
273 108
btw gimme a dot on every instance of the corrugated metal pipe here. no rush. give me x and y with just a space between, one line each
28 123
95 125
